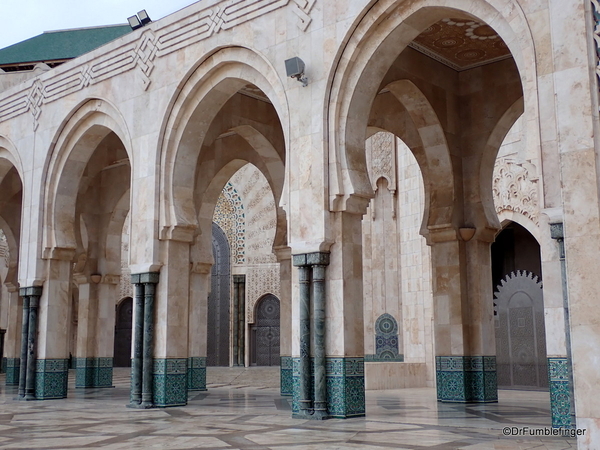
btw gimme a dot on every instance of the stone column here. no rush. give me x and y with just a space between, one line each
138 342
463 315
52 368
171 351
148 341
105 330
303 373
24 336
12 346
284 257
87 311
560 368
142 386
31 295
239 329
319 262
198 295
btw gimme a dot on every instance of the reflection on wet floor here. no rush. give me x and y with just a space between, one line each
242 409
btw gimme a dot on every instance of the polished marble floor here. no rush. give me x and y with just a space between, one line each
243 410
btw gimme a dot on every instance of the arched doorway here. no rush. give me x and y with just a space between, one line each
123 331
265 333
519 310
218 301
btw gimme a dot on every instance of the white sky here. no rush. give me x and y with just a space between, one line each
23 19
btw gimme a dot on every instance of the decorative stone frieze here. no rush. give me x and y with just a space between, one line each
515 188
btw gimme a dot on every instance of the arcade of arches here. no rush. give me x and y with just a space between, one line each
386 226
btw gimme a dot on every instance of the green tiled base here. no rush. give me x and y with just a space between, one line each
197 373
345 387
51 377
93 372
286 375
560 393
13 366
170 382
464 379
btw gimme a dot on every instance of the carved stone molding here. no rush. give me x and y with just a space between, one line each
140 55
381 160
516 188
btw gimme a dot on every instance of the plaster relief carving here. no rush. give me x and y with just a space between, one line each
261 280
229 215
4 253
515 188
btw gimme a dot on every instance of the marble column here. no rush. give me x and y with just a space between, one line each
87 312
560 368
172 312
31 299
12 347
148 343
24 335
142 386
463 315
304 391
198 295
319 262
52 367
284 257
138 342
239 329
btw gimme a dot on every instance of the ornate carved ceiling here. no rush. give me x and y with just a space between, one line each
461 43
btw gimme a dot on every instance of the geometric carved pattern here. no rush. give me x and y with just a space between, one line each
260 281
461 43
386 340
286 374
197 373
560 393
140 55
345 387
466 379
381 159
515 189
4 253
520 331
170 377
51 378
229 215
265 332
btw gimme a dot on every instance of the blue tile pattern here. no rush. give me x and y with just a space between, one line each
93 372
286 375
12 369
197 373
345 387
170 381
51 377
465 379
560 393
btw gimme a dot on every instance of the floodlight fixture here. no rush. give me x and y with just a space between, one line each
134 22
294 68
144 18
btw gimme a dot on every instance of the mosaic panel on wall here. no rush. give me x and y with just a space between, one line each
229 215
386 340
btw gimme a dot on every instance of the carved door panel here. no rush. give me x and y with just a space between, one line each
265 332
520 332
123 331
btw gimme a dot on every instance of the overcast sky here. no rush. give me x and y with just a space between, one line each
23 19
